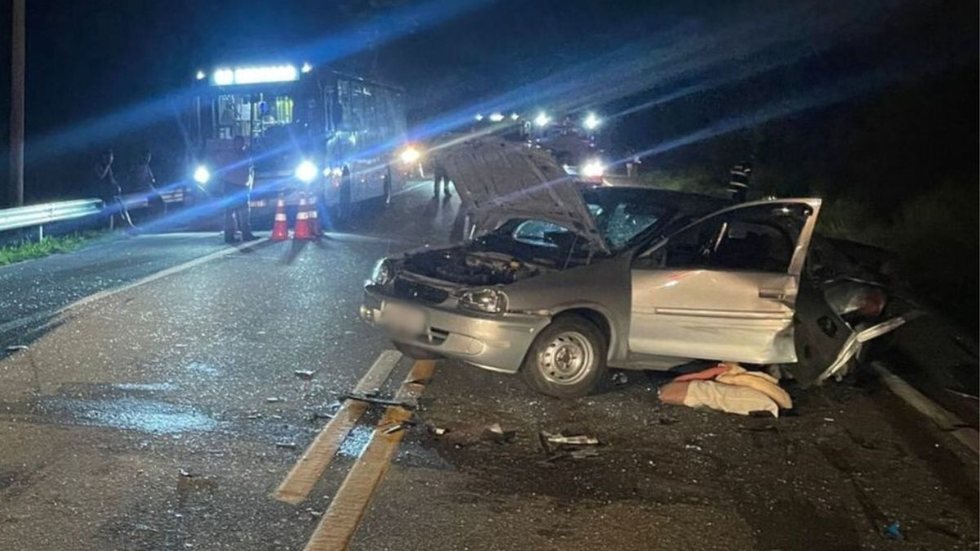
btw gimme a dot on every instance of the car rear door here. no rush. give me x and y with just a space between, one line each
724 287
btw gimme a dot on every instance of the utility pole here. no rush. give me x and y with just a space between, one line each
17 61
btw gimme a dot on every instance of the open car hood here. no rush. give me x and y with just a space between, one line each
500 180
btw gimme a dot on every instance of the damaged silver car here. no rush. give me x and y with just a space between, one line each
561 280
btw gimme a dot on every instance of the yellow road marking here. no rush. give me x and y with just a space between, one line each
342 518
307 471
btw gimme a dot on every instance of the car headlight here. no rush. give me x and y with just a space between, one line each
383 273
202 175
410 155
493 301
593 168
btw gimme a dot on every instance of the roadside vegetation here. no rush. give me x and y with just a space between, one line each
27 250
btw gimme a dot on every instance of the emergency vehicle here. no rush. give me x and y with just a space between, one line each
308 129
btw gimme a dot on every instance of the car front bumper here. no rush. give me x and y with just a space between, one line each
497 343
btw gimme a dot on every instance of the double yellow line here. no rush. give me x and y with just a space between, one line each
339 523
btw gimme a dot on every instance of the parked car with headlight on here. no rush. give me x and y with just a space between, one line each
565 280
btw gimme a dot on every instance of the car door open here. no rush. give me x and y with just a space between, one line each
724 287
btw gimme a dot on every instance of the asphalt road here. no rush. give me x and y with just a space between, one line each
164 416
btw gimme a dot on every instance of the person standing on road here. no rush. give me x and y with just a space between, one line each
738 181
236 185
142 180
110 191
440 179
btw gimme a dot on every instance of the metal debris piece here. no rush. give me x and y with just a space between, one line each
304 374
185 473
253 415
562 440
377 401
496 433
17 347
395 427
583 453
286 445
322 415
274 399
314 513
619 378
438 431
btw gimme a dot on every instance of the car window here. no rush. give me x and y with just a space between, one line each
759 238
624 223
539 232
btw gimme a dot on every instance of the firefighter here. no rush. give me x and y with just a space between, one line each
236 186
110 190
738 181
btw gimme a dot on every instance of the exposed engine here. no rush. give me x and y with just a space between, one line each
470 268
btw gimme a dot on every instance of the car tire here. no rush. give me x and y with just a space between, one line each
415 352
567 359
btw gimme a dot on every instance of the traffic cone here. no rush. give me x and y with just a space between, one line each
280 228
302 229
314 218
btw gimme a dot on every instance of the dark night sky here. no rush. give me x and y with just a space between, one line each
91 59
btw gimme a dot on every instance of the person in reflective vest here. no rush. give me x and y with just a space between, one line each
738 181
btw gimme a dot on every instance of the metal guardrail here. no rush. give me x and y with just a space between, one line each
38 215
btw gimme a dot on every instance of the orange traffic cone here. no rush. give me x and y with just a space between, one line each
280 228
314 218
302 230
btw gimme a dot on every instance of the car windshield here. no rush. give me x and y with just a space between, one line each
625 216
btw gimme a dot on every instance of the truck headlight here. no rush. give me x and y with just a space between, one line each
593 168
306 172
383 273
410 155
493 301
202 175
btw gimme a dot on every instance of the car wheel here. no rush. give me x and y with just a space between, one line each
415 352
567 359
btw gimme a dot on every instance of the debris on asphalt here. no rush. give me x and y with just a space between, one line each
314 513
17 347
619 378
377 401
667 420
253 415
438 431
286 445
893 531
395 427
304 374
558 446
184 473
274 400
562 440
317 415
496 433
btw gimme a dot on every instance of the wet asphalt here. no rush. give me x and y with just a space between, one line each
163 416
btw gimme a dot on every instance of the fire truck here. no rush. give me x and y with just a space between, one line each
309 130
